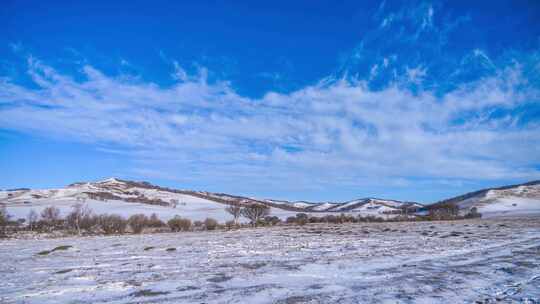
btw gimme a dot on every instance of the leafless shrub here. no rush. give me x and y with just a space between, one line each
32 219
444 211
50 219
50 214
4 220
179 224
316 219
290 220
138 222
272 220
344 218
331 219
75 217
112 223
155 222
89 222
473 213
210 224
230 224
301 219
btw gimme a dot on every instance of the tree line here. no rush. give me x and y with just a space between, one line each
82 220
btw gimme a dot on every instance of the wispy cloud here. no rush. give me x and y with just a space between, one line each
408 106
334 132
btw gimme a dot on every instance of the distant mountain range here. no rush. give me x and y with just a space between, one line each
130 196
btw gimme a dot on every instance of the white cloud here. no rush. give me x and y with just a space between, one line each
179 73
337 132
15 47
386 62
428 18
373 71
387 21
416 75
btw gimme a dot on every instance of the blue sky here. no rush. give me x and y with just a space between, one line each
316 100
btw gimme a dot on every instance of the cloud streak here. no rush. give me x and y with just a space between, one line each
335 132
409 106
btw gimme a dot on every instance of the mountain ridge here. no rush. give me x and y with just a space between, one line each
524 196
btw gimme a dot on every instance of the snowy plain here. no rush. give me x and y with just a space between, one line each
415 262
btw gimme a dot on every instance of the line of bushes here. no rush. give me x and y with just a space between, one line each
82 220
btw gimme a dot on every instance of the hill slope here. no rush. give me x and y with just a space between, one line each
121 197
513 200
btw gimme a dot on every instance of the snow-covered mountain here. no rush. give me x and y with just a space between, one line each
513 200
129 197
364 205
125 198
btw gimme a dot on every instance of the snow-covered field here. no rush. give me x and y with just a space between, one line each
427 262
514 206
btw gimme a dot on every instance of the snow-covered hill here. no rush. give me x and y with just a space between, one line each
364 206
125 198
514 200
128 197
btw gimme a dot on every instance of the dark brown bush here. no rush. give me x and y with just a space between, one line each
316 219
230 224
138 222
272 220
301 219
444 211
89 222
4 220
210 224
290 220
112 223
473 213
331 219
155 222
179 224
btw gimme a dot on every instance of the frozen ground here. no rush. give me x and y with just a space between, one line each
445 262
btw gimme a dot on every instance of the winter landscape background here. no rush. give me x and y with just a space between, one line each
279 152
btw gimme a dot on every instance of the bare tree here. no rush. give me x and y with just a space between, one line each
255 212
473 213
4 219
32 218
444 211
50 216
76 216
235 211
